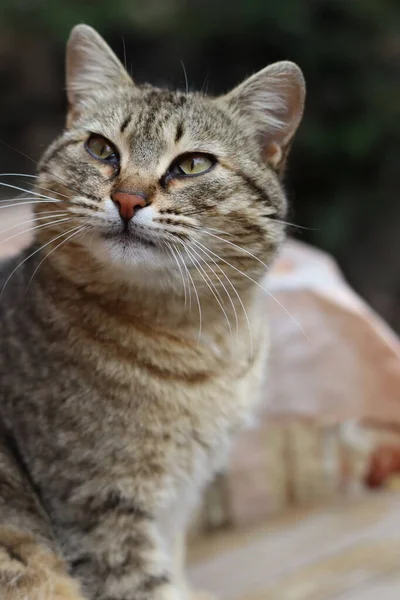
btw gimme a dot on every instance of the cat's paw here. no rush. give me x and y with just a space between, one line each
29 571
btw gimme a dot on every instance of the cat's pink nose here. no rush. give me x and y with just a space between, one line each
128 204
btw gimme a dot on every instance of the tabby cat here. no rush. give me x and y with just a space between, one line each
132 336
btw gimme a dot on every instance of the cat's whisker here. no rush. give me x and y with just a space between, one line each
262 288
123 44
79 230
187 275
198 266
36 216
30 192
289 224
209 283
195 212
13 204
222 285
33 177
35 162
195 292
219 279
13 201
85 202
186 77
61 220
198 303
239 248
64 197
206 81
30 175
234 289
47 215
170 247
216 230
67 186
30 256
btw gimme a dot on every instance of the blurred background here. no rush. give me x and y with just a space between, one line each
329 426
344 174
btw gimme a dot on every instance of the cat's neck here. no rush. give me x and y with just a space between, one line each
149 298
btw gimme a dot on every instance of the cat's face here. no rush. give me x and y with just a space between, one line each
170 180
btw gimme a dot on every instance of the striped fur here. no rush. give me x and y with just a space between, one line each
118 399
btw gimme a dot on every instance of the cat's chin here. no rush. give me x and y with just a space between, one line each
127 254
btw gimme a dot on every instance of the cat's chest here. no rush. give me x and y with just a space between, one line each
173 443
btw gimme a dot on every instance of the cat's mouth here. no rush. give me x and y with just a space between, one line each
129 236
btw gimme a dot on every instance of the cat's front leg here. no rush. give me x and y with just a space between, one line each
123 556
31 567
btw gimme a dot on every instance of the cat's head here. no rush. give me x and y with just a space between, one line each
165 180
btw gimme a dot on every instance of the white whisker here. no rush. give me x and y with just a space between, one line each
291 224
198 303
222 285
234 289
262 288
216 230
49 214
196 294
18 175
169 246
80 229
36 186
239 248
30 256
16 187
69 187
33 228
13 201
41 187
210 285
236 292
187 275
13 204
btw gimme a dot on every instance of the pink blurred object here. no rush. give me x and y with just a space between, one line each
333 388
15 223
331 356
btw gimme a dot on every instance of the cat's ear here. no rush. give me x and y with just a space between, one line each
91 67
272 101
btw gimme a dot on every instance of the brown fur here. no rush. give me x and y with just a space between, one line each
118 399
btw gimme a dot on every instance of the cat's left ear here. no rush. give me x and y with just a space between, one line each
272 103
91 69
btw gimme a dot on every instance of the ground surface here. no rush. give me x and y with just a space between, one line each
350 551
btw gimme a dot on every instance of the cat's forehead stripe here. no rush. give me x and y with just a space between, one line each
179 132
125 123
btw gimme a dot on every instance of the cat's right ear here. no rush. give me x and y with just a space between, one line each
91 68
271 102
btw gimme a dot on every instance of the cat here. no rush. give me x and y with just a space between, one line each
132 335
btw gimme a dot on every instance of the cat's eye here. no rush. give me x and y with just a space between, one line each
102 149
192 164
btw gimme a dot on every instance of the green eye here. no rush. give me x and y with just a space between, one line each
102 149
193 164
